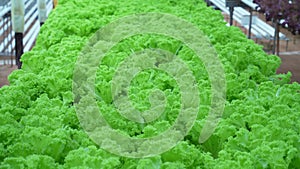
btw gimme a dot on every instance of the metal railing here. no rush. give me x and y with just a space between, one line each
31 29
6 38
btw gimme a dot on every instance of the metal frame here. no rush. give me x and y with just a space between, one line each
31 30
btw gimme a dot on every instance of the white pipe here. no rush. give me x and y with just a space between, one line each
250 4
18 11
42 10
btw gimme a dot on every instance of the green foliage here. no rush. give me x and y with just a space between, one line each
38 123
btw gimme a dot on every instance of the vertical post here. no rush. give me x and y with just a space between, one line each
10 35
275 36
231 9
19 48
250 24
18 11
55 2
42 11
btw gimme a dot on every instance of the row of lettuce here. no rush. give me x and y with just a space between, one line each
260 126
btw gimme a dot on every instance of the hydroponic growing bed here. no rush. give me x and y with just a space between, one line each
39 127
